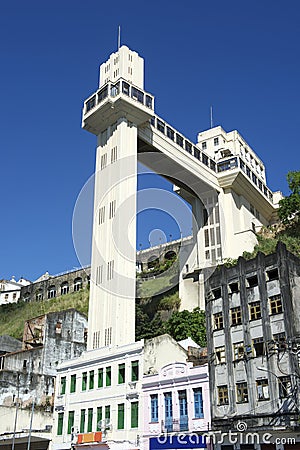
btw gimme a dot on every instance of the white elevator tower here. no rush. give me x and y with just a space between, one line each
113 114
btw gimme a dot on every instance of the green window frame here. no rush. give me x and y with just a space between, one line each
99 418
60 424
82 421
134 371
121 417
134 414
63 383
91 380
90 420
121 374
107 412
108 376
84 381
100 378
73 384
70 421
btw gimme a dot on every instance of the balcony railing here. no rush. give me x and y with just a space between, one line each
171 425
112 90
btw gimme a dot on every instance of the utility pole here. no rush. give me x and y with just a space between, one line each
30 426
16 415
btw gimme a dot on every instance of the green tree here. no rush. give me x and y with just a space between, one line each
184 324
289 207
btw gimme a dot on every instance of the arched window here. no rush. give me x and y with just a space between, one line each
153 261
170 255
64 288
52 291
39 295
77 284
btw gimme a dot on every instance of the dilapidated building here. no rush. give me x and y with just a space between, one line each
254 346
28 375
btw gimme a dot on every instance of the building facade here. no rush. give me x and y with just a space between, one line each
99 396
254 348
27 376
10 290
176 401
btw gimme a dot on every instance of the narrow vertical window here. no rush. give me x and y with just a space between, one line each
134 415
82 421
60 424
198 403
100 378
168 412
107 412
183 413
121 416
91 382
99 418
84 381
134 371
121 375
154 408
70 421
63 382
108 376
90 420
73 383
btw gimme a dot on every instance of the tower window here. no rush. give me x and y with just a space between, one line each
220 355
236 316
262 389
255 310
218 321
242 392
204 145
223 395
276 304
238 350
216 141
121 376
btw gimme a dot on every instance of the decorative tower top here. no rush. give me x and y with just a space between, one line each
124 64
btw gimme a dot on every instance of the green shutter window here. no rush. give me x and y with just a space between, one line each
108 376
100 378
107 412
63 382
91 383
84 381
70 421
134 371
90 420
121 377
134 414
82 421
60 424
121 416
73 383
99 418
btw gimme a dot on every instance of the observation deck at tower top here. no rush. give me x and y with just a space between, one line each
122 99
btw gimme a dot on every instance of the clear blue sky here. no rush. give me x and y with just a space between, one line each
240 57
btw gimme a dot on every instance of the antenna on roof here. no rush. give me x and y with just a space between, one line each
119 37
211 117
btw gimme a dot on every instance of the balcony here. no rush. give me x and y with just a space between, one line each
113 100
171 425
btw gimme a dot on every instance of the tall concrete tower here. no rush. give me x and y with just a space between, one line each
113 114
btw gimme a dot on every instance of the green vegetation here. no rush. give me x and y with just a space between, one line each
288 231
13 315
161 278
185 324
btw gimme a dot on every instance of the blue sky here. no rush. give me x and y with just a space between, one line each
240 57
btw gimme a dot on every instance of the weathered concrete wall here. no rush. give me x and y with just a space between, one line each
9 344
70 281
